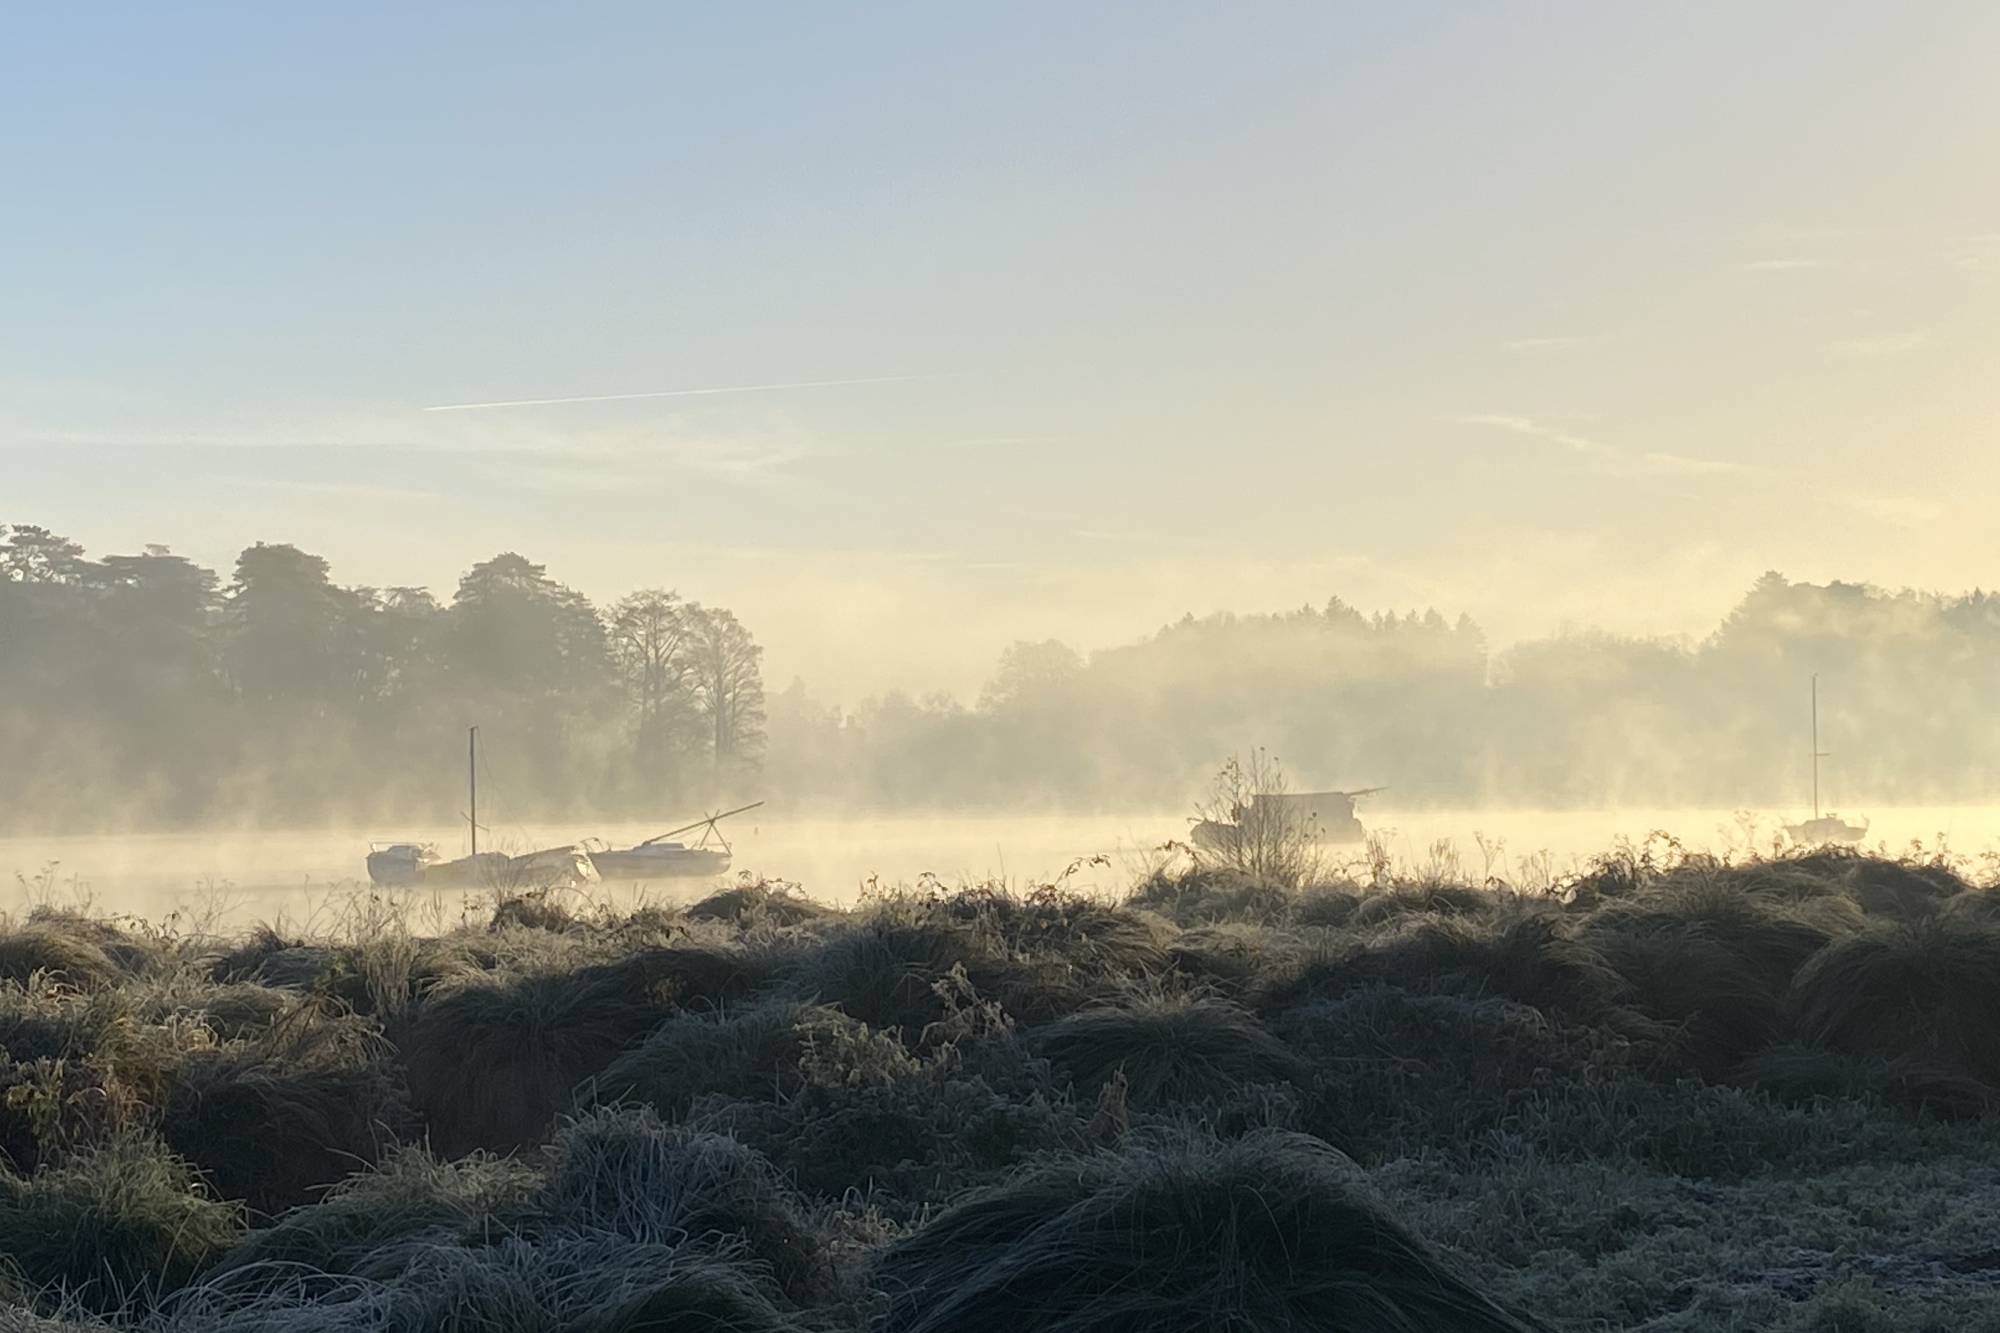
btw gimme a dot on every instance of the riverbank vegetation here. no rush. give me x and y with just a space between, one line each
146 691
1666 1093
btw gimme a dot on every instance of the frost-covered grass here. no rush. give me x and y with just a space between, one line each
1671 1093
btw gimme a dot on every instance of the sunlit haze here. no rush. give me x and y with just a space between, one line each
1294 667
1038 321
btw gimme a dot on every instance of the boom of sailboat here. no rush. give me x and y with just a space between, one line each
410 862
403 862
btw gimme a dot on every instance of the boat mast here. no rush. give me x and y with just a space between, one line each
1817 753
473 783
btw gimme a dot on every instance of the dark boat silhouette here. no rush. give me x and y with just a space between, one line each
1329 815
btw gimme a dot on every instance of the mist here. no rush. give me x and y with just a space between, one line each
147 692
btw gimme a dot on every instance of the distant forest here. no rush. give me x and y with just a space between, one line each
1909 711
144 689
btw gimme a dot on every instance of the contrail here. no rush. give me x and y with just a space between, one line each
675 393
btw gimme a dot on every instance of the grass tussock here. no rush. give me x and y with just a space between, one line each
493 1061
1671 1093
1268 1232
59 955
563 1281
1929 990
114 1227
1199 895
762 902
1534 958
410 1193
628 1172
753 1053
276 1119
1168 1050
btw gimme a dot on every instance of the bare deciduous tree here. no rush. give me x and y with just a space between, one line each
725 666
649 642
1247 825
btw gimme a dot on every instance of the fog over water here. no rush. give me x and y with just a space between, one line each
303 876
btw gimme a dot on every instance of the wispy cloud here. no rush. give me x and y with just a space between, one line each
1788 236
1783 264
1605 457
1910 512
628 462
516 451
675 393
344 489
1981 254
1534 429
1681 465
1902 511
1881 344
1536 346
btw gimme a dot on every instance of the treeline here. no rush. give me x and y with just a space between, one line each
1910 711
143 689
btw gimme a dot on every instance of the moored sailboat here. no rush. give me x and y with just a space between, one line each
1828 827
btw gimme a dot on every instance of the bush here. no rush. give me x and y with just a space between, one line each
1171 1050
274 1120
1929 991
1265 1232
112 1227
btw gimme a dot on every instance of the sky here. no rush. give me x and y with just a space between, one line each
1038 320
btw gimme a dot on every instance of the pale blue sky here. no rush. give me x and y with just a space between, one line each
1545 312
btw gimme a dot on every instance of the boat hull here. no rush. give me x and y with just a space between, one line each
552 868
1220 836
635 863
1824 830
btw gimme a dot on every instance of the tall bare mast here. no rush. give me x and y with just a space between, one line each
473 783
1817 753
